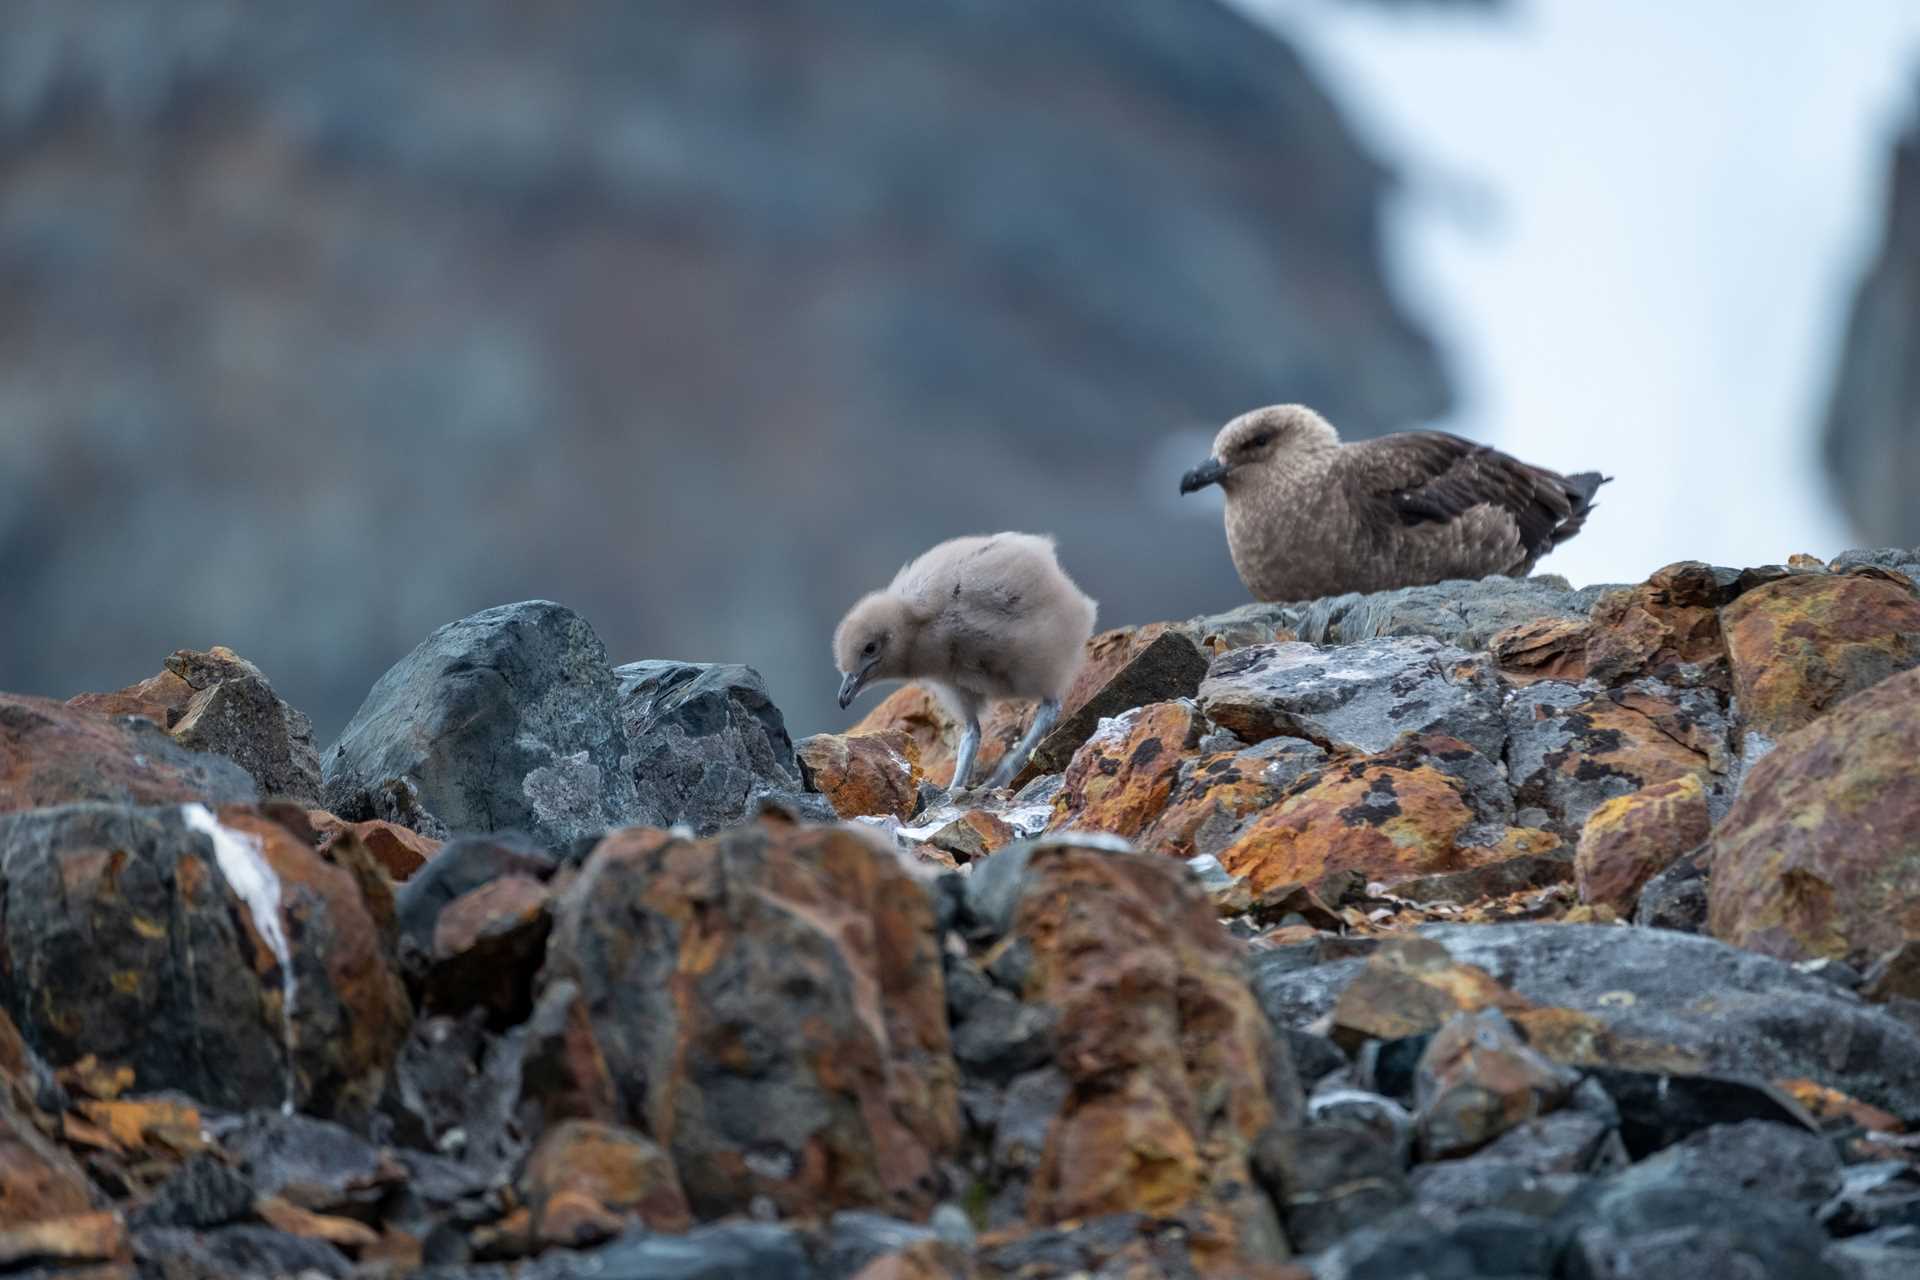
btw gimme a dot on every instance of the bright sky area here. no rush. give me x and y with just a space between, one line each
1635 228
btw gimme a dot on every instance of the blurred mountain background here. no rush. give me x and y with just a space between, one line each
323 325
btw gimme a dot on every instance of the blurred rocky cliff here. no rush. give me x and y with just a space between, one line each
1873 421
323 324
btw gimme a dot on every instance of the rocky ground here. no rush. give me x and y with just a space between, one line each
1479 930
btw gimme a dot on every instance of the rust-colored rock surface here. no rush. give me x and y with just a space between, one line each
487 946
79 1237
353 1011
617 1169
1570 751
863 775
1120 779
1167 1053
52 754
1388 817
914 711
1543 649
770 1008
1667 625
399 850
972 836
1820 855
1631 839
1412 985
219 702
1802 644
160 698
38 1180
1205 808
143 955
1135 667
1477 1079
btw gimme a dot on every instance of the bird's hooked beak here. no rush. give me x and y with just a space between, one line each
1212 471
851 684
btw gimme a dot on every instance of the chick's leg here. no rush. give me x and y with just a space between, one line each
963 754
1016 759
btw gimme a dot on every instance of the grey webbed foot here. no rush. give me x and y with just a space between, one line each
1016 759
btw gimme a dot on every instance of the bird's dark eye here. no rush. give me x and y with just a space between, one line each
1261 441
871 646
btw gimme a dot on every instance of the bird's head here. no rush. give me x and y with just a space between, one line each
1256 440
870 643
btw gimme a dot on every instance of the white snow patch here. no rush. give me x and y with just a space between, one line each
1113 730
247 873
1214 877
1028 821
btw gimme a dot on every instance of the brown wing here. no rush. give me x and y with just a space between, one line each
1422 477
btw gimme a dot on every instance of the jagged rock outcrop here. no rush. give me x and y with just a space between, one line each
220 703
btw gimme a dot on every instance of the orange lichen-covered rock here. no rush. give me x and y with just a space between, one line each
1543 649
1412 985
913 711
1820 855
38 1180
399 850
972 836
769 1006
1120 779
617 1169
1570 750
1801 644
1168 1054
1215 796
1477 1079
1388 817
145 955
1124 668
1668 622
1631 839
863 775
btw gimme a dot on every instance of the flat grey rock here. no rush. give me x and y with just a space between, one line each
1465 613
1741 1013
1359 697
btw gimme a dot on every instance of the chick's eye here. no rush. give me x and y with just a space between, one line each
871 646
1261 441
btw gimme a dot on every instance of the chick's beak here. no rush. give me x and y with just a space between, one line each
850 687
1212 471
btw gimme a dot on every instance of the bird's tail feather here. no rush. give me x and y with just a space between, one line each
1580 487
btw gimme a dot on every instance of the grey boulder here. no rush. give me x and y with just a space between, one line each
505 719
707 744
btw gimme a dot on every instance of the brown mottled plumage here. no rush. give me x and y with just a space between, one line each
977 619
1308 516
